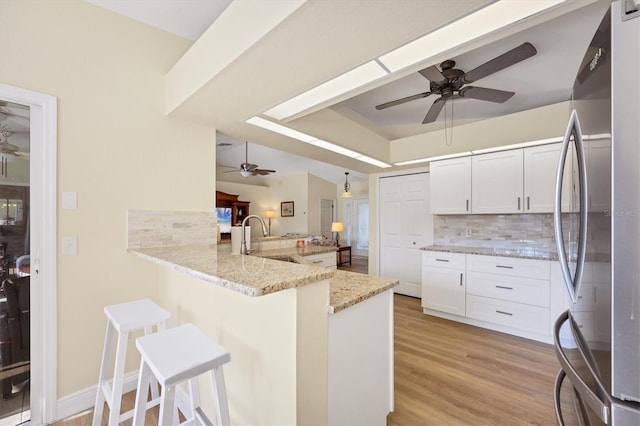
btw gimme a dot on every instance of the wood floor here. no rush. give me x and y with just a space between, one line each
447 373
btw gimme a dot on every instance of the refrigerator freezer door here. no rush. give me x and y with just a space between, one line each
576 221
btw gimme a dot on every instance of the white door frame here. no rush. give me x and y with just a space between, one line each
43 182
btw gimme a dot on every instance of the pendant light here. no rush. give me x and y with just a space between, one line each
346 193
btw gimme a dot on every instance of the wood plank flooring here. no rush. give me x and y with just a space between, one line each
447 373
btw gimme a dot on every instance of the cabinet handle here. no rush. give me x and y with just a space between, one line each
518 203
460 278
504 266
504 287
528 203
467 205
442 260
317 261
504 313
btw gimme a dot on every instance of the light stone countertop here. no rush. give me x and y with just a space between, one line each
521 253
259 274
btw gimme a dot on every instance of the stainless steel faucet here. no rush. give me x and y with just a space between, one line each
243 247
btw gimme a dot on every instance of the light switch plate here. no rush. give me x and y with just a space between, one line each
69 200
70 245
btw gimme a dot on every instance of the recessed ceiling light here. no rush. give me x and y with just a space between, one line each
303 137
480 23
427 160
337 86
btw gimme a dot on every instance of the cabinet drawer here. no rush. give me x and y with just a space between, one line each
513 289
510 314
528 268
325 260
441 259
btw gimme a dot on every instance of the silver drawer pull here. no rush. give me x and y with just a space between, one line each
317 261
442 260
460 278
504 313
504 287
504 266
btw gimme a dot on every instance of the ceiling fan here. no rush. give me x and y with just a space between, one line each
449 82
247 169
6 147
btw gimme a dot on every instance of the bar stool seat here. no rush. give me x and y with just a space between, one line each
123 318
177 355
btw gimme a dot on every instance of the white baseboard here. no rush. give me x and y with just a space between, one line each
85 399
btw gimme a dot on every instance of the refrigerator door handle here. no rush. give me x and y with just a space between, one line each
572 283
582 390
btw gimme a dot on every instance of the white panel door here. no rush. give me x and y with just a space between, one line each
497 182
405 225
540 170
599 174
450 186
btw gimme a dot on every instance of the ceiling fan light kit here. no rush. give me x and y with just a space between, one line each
248 169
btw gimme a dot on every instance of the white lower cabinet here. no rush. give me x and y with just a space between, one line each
506 294
443 283
326 260
510 314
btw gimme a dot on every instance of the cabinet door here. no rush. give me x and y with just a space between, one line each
540 171
497 182
443 290
450 186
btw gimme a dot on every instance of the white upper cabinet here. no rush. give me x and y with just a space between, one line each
497 182
540 171
451 186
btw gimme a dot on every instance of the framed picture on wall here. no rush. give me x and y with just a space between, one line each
286 209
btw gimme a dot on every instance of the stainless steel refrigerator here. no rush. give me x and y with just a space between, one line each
597 226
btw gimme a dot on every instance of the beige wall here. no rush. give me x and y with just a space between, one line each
318 189
116 149
261 200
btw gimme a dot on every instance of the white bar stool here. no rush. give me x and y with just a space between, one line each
123 318
174 356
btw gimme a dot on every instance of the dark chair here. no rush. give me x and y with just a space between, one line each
14 333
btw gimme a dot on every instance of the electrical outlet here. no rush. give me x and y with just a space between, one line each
467 232
70 245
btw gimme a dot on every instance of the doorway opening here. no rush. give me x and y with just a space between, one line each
40 245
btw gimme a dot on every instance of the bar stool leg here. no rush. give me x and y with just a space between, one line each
220 396
167 403
140 407
104 371
118 379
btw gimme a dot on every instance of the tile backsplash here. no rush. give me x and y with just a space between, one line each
153 228
511 230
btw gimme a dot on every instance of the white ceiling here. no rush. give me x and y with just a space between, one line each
325 38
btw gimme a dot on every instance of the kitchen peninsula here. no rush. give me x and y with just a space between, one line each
308 344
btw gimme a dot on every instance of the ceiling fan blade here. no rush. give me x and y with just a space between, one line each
262 172
512 57
432 73
434 111
402 100
25 155
484 94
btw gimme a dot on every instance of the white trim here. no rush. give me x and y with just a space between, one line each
85 399
43 179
